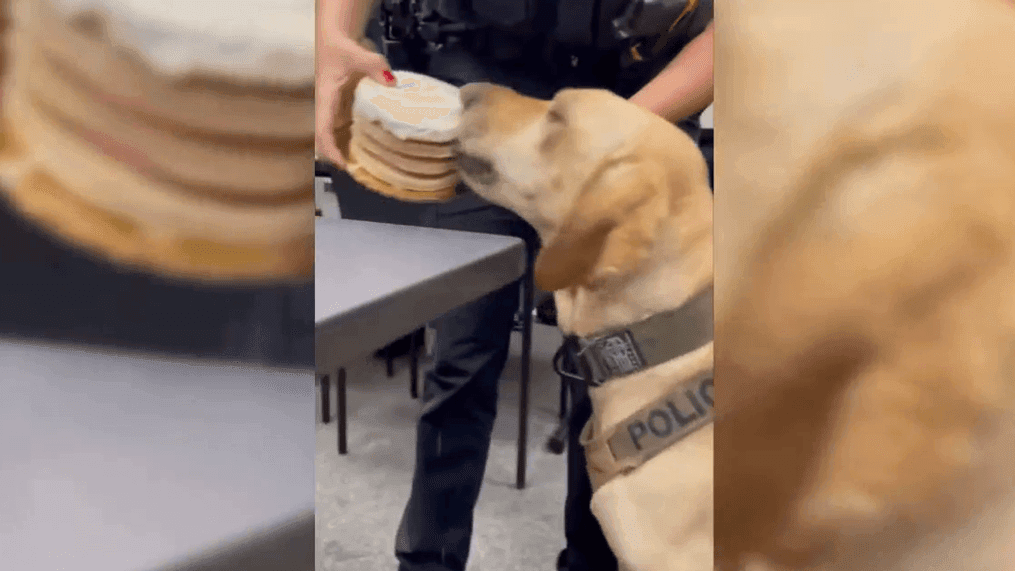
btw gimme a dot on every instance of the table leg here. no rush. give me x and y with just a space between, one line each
325 399
343 444
523 401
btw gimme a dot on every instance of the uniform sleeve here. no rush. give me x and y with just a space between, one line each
698 21
687 30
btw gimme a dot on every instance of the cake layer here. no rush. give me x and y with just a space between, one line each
161 209
221 106
362 126
419 108
246 169
365 178
411 165
396 176
42 199
257 41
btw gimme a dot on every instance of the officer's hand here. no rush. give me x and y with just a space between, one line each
341 64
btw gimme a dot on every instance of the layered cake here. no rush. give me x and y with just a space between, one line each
177 137
402 135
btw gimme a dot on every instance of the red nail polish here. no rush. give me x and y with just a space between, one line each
389 77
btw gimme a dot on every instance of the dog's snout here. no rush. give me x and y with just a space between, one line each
473 93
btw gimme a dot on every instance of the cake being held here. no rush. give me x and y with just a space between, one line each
402 137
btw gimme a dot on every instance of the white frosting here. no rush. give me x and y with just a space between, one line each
419 108
261 40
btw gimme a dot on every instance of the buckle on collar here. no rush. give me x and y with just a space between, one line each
613 355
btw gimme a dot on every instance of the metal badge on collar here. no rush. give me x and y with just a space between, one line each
650 342
617 354
608 357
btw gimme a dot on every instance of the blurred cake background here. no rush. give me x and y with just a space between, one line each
156 181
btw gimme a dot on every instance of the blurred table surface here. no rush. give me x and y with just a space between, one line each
376 282
119 461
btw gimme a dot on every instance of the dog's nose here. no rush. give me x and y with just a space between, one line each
473 93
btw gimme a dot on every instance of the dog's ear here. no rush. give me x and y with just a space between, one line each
609 228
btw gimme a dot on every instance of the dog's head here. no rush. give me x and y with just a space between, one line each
595 175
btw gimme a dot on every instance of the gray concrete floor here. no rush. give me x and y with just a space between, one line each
360 496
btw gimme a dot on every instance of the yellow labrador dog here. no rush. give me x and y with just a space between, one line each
865 285
621 201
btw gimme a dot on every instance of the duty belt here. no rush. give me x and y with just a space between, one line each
402 22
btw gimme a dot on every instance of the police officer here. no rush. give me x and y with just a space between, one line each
658 53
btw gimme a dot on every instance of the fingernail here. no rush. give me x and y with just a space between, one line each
389 77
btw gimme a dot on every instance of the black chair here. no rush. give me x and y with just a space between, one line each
564 364
411 345
567 371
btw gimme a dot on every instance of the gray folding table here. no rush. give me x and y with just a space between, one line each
376 282
113 461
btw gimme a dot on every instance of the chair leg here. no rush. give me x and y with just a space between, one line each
563 399
325 399
414 365
389 361
343 443
523 401
557 442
